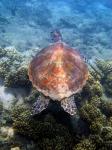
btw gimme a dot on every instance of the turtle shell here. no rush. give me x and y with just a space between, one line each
58 71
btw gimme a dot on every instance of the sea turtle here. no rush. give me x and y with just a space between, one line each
58 72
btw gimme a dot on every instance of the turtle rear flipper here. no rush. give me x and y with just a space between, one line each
69 105
41 104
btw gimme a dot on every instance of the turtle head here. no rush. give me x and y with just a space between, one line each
56 35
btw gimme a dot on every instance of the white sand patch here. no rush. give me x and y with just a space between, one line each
13 95
6 98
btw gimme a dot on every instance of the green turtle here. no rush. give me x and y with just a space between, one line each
58 72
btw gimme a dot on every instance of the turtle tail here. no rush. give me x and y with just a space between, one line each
69 105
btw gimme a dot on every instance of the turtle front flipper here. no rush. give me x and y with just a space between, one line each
41 104
69 105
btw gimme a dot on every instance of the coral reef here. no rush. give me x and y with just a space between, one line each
48 133
85 144
94 113
92 91
106 108
107 134
32 97
10 60
7 132
18 78
105 67
14 68
1 107
93 116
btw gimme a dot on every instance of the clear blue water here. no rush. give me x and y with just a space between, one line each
84 24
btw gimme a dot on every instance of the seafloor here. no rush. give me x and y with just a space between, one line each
25 28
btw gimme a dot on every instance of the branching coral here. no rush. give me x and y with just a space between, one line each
47 132
107 83
19 112
1 107
18 78
92 91
4 67
13 70
32 97
107 134
85 144
106 79
10 60
104 66
109 121
106 108
92 88
93 116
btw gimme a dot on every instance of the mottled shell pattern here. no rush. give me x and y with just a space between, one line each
58 71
